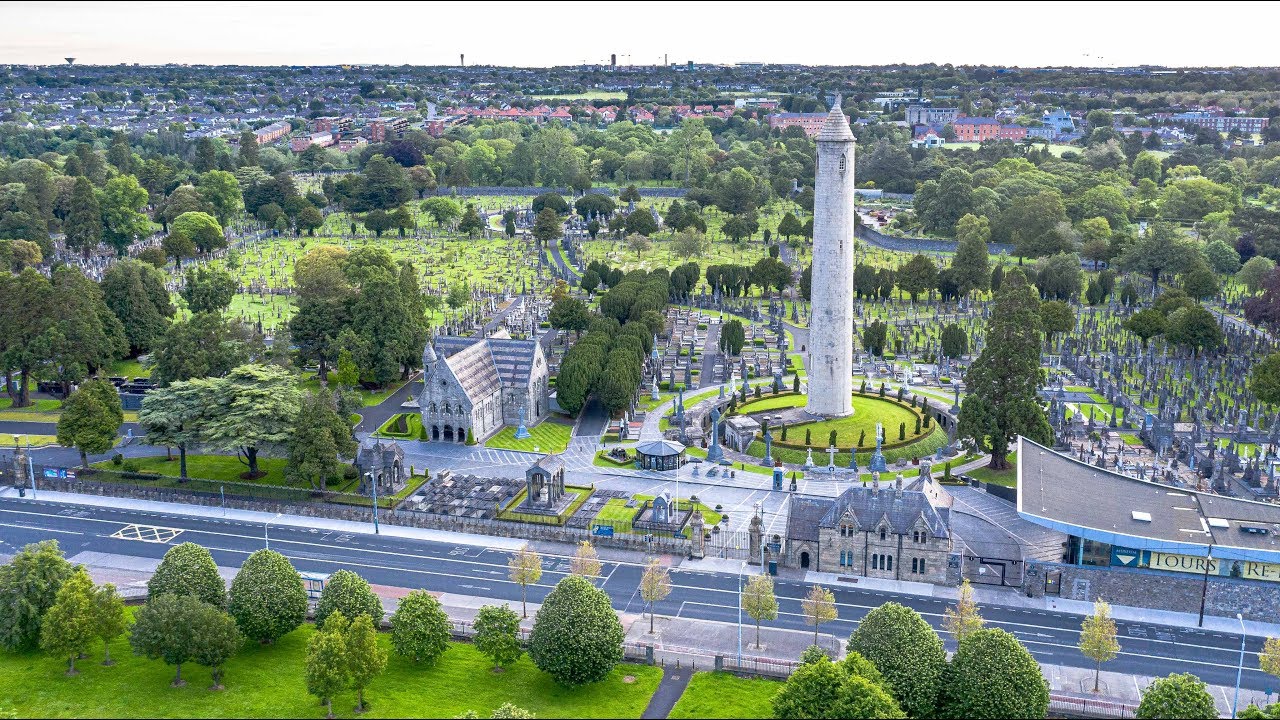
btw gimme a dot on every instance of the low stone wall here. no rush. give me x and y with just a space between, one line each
1177 592
406 518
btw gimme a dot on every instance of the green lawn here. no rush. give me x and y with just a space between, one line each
223 468
370 397
867 411
548 437
413 425
773 402
40 410
582 494
616 513
724 695
1007 478
129 369
268 681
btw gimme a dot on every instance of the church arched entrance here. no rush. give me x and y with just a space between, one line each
435 432
448 433
804 561
462 435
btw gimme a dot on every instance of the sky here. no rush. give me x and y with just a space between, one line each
539 34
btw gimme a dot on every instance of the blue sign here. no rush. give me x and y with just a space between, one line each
602 530
1125 557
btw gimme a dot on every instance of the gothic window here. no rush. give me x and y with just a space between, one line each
921 566
914 564
842 164
434 408
882 533
459 409
888 562
447 411
875 562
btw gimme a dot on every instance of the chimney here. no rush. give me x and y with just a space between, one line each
462 59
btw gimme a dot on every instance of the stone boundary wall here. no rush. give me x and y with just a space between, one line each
899 244
498 190
405 518
1178 592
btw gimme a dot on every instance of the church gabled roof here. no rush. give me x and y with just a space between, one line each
836 127
511 360
473 366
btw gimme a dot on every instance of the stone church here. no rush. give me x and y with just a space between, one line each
480 385
897 532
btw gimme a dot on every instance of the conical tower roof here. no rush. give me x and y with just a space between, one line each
836 128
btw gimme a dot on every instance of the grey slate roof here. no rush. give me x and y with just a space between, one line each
551 463
804 515
512 360
660 448
809 514
473 366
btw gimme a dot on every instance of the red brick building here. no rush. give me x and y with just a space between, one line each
976 129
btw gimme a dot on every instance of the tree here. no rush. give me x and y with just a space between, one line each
419 628
136 294
188 569
109 619
569 314
327 672
321 437
216 640
639 243
208 289
365 659
789 226
1269 658
1059 277
509 711
201 229
442 210
640 222
655 585
178 247
818 608
1055 317
67 629
268 597
1194 328
221 190
83 226
1200 283
309 219
688 243
525 568
90 419
167 628
29 585
1004 381
576 636
258 405
497 630
471 222
907 651
350 594
971 264
1222 256
1163 249
172 416
1098 638
383 185
1254 272
732 337
954 341
917 275
963 619
1180 695
586 561
206 345
248 149
993 676
121 205
759 601
1146 324
874 336
823 689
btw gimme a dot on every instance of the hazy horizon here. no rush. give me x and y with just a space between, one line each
527 35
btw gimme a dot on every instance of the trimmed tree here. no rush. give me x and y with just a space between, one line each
188 569
993 676
962 619
67 629
759 601
365 660
109 620
29 585
90 419
216 640
576 637
1098 638
823 689
419 628
907 651
349 593
326 671
818 607
268 597
655 585
165 628
1178 696
525 568
497 635
585 562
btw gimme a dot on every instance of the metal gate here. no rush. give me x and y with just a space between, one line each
993 571
1053 582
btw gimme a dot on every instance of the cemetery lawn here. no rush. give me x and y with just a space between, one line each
725 695
40 410
268 681
220 468
1007 478
867 411
511 512
616 513
773 402
129 369
548 436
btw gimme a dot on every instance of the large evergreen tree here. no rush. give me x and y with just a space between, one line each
83 226
1003 383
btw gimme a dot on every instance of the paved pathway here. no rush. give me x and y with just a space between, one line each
674 681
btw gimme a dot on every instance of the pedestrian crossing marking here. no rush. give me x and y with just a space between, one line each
147 533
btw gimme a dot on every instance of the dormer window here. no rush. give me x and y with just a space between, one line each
883 533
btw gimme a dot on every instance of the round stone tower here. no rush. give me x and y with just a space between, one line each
830 363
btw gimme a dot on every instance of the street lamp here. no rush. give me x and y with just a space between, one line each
740 569
1235 701
265 534
374 484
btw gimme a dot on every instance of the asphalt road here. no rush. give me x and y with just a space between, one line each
1147 649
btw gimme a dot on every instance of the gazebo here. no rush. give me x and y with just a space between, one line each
660 455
